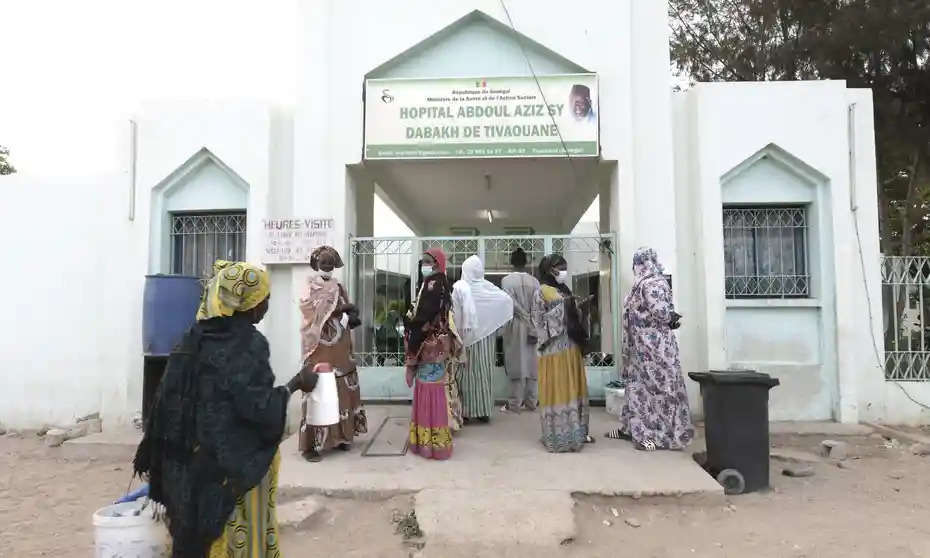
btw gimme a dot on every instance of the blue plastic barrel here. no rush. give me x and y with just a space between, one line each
169 308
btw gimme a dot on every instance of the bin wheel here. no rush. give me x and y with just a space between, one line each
732 482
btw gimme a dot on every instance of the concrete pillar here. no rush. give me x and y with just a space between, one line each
609 312
360 192
654 196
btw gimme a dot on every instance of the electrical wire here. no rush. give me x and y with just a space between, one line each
879 361
605 243
868 297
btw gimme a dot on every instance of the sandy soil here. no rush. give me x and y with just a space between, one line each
877 505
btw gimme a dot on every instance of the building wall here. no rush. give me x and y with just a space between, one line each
73 342
66 331
720 127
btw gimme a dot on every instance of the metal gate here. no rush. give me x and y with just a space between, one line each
382 274
906 306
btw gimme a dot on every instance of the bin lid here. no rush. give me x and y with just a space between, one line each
730 377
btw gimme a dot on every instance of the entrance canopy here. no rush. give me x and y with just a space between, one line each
438 197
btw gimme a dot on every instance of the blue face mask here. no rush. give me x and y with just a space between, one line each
426 270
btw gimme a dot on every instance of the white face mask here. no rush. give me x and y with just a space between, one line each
326 275
561 276
427 270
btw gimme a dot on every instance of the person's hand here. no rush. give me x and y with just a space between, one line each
411 371
347 308
307 377
583 301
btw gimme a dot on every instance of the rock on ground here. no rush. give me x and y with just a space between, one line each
834 449
798 471
921 450
55 437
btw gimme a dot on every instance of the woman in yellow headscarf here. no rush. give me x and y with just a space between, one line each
210 450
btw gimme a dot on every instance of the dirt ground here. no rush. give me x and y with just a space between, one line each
877 504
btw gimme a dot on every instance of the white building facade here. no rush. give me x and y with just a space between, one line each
760 199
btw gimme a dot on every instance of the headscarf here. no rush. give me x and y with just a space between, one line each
440 270
546 276
646 264
325 253
485 308
234 287
318 301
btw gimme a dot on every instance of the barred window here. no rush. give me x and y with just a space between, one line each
765 252
199 239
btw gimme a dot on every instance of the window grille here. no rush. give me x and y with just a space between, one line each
199 239
765 252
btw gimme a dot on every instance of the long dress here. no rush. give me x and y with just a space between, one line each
656 408
429 360
335 348
563 386
480 309
475 380
520 357
252 530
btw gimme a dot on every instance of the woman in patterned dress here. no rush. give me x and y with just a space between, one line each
563 385
328 317
431 350
656 414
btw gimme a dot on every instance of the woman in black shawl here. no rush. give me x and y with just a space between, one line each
210 450
563 386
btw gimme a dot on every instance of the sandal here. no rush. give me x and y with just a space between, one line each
313 456
589 440
646 445
617 434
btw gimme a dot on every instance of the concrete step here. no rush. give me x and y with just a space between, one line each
506 517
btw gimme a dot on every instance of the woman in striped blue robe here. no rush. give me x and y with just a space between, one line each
480 310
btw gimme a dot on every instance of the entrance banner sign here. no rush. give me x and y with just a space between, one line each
482 117
292 240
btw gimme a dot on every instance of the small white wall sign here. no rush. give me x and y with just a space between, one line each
292 240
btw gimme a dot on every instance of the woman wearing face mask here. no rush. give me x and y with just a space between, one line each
327 318
431 349
563 386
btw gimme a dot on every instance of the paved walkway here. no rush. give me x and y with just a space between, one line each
498 472
505 453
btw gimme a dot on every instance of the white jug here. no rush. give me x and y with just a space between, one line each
323 401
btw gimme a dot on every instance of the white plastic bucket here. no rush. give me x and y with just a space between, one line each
614 400
118 532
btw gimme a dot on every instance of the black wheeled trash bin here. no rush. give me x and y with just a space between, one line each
736 421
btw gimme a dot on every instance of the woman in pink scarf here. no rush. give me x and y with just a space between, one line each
431 348
327 318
